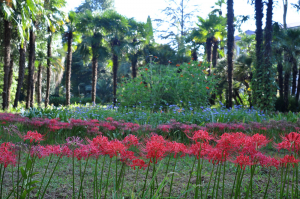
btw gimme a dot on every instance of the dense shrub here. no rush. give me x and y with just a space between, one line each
186 85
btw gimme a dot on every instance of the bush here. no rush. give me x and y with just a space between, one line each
56 101
187 85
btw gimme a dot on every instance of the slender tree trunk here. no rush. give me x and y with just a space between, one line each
208 51
215 53
10 78
194 55
285 6
33 88
295 71
115 73
39 84
298 88
49 54
31 61
22 61
230 46
68 69
270 90
94 78
133 66
7 49
280 74
286 90
238 96
258 84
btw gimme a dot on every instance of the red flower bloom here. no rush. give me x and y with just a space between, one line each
155 148
243 161
176 148
288 159
33 136
115 147
201 135
131 140
138 163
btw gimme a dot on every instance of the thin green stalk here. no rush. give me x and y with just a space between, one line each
297 167
116 175
281 181
223 186
191 173
51 176
2 181
122 181
173 176
237 181
269 178
18 174
30 171
211 175
106 188
38 193
240 183
153 181
288 182
81 189
95 180
73 170
136 176
293 182
252 169
198 173
217 190
215 181
12 179
26 164
146 180
166 174
283 185
103 163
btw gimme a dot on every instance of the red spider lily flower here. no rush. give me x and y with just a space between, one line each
258 141
110 119
199 149
131 140
207 87
201 135
290 142
177 65
138 163
33 136
176 148
243 161
115 147
288 159
155 148
7 154
74 142
146 69
84 151
189 63
164 128
216 156
266 161
127 156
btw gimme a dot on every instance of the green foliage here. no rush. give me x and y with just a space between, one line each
187 85
293 106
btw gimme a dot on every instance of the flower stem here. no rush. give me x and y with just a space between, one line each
73 162
223 186
215 181
106 188
266 191
166 174
236 174
146 179
38 193
103 163
95 180
211 175
81 181
191 173
173 177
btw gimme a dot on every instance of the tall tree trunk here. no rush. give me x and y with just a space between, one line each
269 91
49 55
298 88
133 66
230 46
33 88
194 55
258 85
285 6
31 61
295 71
115 73
39 84
215 53
286 90
68 71
7 49
208 51
22 61
280 74
94 78
10 78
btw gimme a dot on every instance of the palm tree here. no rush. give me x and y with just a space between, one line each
55 15
137 39
116 36
71 35
258 83
92 25
230 47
